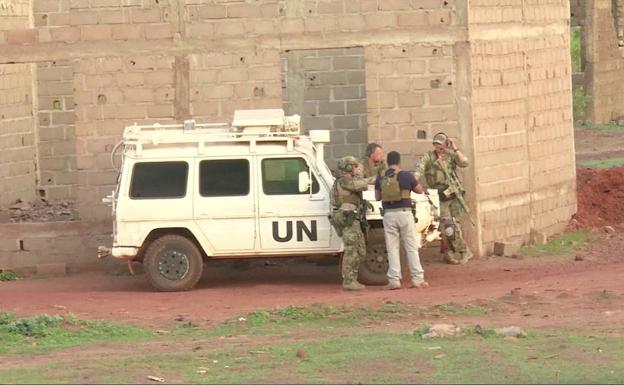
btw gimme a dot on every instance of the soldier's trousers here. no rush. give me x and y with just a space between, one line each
450 211
354 251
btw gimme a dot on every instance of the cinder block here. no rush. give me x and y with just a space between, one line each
146 15
96 32
211 11
158 31
243 11
51 269
112 17
292 26
411 99
352 23
329 7
381 20
22 36
348 62
394 5
78 18
506 249
229 28
128 32
317 63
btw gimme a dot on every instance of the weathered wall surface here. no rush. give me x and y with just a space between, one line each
522 123
28 246
57 132
604 65
17 129
410 96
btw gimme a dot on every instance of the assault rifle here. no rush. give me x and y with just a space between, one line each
455 187
361 211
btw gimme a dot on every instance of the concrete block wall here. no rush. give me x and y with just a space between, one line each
25 246
17 134
604 65
522 119
111 93
577 12
17 130
410 96
327 87
56 130
15 14
224 82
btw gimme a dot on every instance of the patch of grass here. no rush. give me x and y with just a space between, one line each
6 276
611 127
560 245
273 321
43 333
469 310
603 163
580 100
575 48
352 353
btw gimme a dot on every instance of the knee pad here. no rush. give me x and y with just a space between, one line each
448 228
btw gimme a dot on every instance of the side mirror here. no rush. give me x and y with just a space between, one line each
304 181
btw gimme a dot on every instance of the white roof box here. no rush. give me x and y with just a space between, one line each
247 118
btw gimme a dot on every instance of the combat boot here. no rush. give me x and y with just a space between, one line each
466 256
353 286
449 257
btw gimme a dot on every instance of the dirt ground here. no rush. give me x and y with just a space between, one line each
581 289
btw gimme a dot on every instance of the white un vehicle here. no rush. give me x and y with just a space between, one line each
254 188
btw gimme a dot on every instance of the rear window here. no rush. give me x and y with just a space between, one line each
154 180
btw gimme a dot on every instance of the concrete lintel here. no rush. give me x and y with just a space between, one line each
53 51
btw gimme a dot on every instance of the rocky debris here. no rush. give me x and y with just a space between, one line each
609 229
442 330
511 331
39 211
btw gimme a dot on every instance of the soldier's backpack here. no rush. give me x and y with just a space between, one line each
390 189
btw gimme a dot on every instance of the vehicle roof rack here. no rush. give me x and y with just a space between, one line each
248 126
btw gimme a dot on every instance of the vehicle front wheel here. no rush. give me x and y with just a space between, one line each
374 267
173 263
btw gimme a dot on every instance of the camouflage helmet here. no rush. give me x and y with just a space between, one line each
347 163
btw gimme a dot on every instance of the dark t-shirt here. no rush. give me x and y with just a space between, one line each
407 181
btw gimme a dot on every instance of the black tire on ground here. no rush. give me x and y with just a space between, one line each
173 263
374 267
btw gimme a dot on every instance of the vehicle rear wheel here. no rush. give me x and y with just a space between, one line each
374 267
173 263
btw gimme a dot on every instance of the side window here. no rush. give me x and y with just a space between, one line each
228 177
154 180
280 176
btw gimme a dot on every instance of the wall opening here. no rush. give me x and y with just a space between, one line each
327 88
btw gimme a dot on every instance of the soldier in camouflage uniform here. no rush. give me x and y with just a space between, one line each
346 198
374 164
435 166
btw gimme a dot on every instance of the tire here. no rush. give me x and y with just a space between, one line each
374 268
173 263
